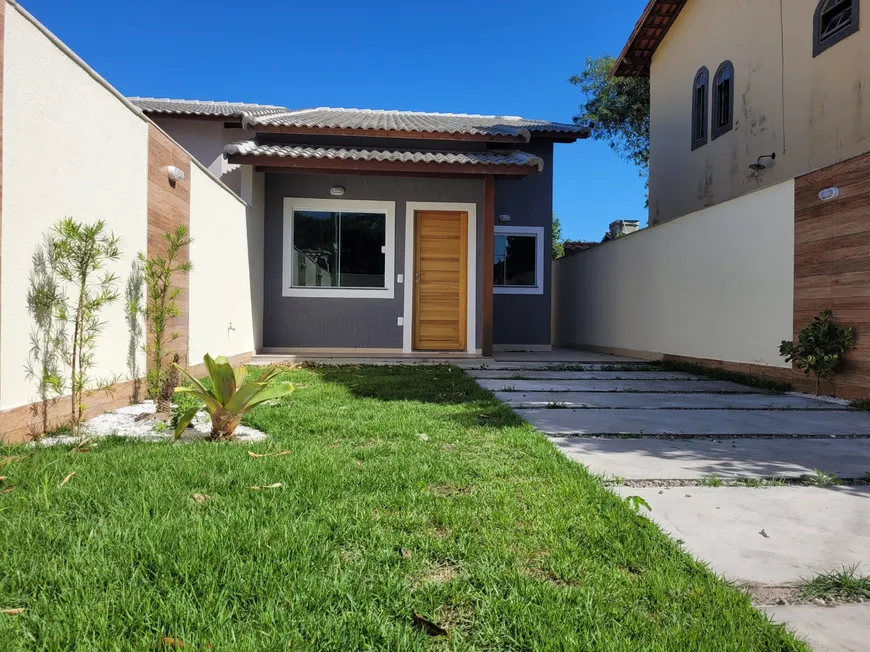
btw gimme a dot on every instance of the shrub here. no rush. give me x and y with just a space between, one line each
820 347
233 395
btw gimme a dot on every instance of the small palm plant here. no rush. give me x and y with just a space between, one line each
233 396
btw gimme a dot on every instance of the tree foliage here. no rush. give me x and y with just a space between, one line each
558 242
616 109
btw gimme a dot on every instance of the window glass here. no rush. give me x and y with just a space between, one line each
514 259
723 97
332 249
836 16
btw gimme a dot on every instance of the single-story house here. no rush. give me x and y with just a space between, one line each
388 231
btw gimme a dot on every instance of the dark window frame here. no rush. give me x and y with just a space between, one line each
700 110
717 129
820 46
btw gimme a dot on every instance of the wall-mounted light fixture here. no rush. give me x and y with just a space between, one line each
758 167
175 174
829 194
336 191
504 218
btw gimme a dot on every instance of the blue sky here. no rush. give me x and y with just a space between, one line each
466 56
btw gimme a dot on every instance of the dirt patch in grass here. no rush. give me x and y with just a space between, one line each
439 572
450 490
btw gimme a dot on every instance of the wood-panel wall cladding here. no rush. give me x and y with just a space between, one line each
832 264
169 207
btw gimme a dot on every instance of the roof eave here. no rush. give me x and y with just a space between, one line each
649 32
351 166
522 137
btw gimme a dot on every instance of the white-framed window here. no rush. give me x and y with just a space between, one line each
518 260
340 248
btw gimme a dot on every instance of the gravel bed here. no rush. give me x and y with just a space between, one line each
140 422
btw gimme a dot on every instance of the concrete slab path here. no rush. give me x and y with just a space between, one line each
770 537
580 375
785 423
696 459
809 530
648 401
682 386
843 629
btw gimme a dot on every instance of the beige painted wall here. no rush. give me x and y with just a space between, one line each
811 111
717 284
70 148
205 140
220 286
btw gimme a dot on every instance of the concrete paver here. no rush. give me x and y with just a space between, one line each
772 536
699 422
843 629
582 375
809 530
688 386
695 459
647 401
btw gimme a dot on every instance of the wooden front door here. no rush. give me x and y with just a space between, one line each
440 280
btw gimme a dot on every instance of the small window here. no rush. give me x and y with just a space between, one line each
834 20
518 260
700 108
338 248
723 100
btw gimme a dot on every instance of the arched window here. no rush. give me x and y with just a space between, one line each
834 20
700 100
723 100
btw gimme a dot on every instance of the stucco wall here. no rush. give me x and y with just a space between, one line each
811 111
70 148
520 319
205 140
347 323
717 284
220 285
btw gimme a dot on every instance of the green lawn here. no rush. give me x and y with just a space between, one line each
480 526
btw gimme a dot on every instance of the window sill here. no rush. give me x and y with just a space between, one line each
339 293
506 289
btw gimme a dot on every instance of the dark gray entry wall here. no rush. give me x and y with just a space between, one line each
348 323
525 318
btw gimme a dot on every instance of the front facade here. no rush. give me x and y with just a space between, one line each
388 231
733 81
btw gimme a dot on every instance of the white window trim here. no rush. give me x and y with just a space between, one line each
387 208
471 313
538 232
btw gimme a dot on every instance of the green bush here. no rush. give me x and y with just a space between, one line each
820 347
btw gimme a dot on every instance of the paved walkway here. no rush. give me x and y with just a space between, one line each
664 434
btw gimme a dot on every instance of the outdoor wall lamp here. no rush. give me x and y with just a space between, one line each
336 191
829 194
175 174
504 218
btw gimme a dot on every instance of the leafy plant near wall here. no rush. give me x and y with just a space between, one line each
132 311
80 253
820 347
45 304
233 396
162 307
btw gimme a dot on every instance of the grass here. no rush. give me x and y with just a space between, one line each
711 481
822 479
481 527
844 584
860 404
767 384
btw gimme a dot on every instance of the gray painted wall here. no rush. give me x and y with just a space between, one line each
525 318
347 323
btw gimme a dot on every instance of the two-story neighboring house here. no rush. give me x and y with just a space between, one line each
734 81
759 191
